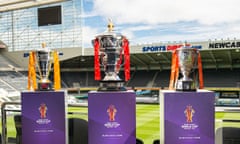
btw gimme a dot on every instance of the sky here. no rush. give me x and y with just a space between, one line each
152 21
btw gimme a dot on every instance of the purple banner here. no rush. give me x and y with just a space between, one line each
43 118
189 117
112 117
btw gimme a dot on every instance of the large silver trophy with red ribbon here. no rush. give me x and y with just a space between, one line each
111 51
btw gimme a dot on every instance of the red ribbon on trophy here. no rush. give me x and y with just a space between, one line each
127 59
97 74
174 67
200 72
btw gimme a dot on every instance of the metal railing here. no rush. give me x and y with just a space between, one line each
4 118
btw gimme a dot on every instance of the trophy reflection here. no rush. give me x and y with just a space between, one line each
43 62
111 51
187 60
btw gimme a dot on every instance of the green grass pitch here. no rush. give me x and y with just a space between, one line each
147 126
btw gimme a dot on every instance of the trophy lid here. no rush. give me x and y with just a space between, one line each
110 32
44 48
186 46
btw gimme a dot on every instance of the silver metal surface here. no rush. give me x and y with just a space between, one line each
44 59
187 60
111 53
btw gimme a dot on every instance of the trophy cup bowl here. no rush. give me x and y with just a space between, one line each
187 60
44 60
111 52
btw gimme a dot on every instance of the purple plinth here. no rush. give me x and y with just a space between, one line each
112 117
187 117
43 117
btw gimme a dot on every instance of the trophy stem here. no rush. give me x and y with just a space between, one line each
186 76
45 85
185 83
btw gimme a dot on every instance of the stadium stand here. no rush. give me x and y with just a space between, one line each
83 79
162 79
74 77
142 78
17 81
13 81
6 63
10 79
221 77
156 78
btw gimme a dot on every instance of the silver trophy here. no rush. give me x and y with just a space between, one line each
44 61
111 54
187 62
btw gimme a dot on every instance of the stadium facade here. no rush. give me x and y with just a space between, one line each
58 24
23 30
215 54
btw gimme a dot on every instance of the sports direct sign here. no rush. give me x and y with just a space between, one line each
167 47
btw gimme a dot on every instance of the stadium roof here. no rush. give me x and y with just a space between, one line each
158 56
10 5
211 59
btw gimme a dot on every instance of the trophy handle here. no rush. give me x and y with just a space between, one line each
56 69
127 59
200 72
32 80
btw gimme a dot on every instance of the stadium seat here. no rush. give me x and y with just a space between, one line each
18 126
227 135
77 131
138 141
156 142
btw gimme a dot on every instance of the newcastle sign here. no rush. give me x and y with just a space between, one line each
233 44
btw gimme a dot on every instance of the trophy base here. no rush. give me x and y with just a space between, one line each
45 87
185 86
112 86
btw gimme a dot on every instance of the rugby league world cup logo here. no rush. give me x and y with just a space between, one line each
189 113
111 112
43 110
